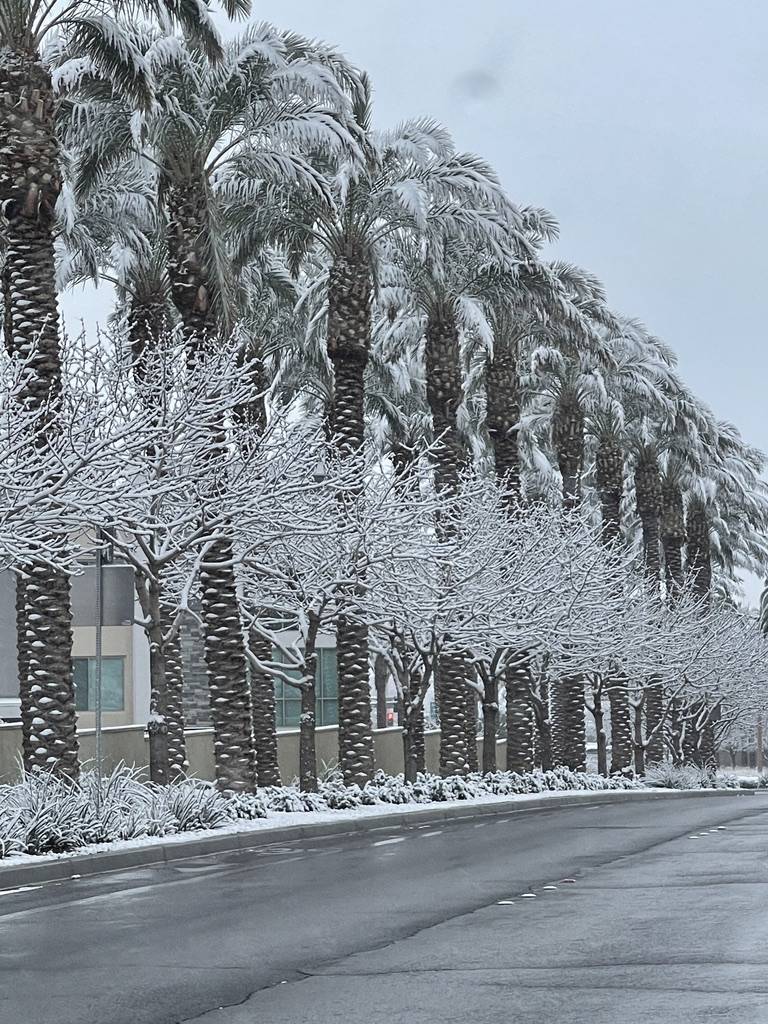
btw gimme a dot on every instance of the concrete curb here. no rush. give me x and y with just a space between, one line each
30 873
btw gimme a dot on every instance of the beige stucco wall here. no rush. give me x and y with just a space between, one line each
128 744
117 641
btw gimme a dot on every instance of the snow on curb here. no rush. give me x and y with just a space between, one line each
25 869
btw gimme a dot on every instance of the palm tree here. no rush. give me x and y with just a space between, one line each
368 198
569 365
234 114
445 270
116 238
635 386
30 185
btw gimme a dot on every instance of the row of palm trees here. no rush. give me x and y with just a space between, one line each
384 284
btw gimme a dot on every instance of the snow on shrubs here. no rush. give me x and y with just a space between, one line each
669 776
45 814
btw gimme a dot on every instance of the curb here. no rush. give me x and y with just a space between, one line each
103 861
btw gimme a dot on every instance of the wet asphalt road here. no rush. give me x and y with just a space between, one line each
419 925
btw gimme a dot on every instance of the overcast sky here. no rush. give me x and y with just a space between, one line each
641 124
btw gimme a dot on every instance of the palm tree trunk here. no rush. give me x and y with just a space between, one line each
264 713
672 536
29 188
349 338
444 392
520 717
698 555
450 689
569 741
503 416
609 470
621 727
568 439
648 498
569 738
228 689
168 755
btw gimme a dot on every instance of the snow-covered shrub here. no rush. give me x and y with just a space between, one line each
669 776
313 802
195 805
11 834
52 813
283 799
245 806
339 797
389 789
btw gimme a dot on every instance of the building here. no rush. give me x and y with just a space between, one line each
125 669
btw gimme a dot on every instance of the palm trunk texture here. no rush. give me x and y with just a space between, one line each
228 684
698 557
621 728
520 718
568 439
672 536
569 738
29 188
264 713
648 498
443 369
349 334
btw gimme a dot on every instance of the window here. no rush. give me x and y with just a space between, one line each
288 698
112 683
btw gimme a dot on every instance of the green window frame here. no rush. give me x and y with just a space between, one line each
112 683
288 698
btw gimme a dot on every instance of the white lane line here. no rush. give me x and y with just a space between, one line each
20 888
426 835
387 842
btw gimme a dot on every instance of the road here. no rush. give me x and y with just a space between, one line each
419 925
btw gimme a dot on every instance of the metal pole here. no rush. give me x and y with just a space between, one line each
99 628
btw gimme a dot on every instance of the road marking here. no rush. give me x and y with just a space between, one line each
437 832
505 903
20 888
386 842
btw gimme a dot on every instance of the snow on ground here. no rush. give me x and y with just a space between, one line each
276 821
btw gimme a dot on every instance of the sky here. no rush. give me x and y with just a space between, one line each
641 124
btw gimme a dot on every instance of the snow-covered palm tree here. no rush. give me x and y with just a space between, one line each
216 134
380 193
